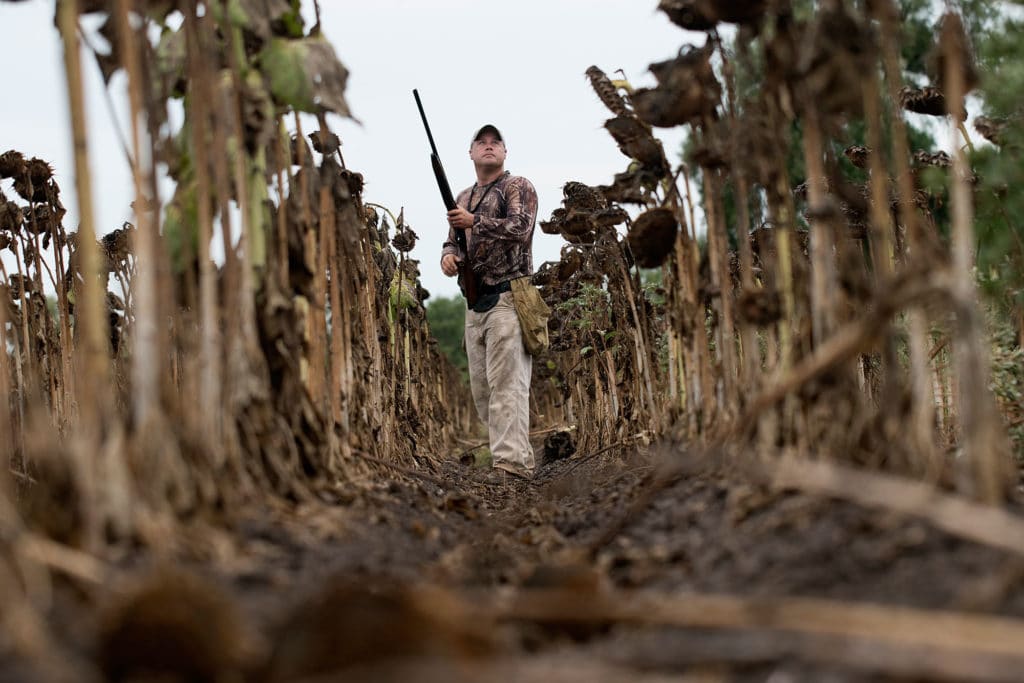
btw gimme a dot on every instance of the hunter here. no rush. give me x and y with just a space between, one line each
497 214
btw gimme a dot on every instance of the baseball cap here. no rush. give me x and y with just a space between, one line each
488 128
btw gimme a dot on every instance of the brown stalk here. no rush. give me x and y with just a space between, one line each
370 324
850 339
282 156
923 402
781 351
229 353
23 627
347 299
640 345
146 361
680 292
57 237
983 442
898 641
783 231
956 515
823 268
883 243
210 402
701 349
306 215
339 326
748 334
7 421
27 359
53 386
883 251
93 378
318 362
246 286
718 249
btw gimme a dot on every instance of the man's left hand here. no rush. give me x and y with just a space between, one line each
460 219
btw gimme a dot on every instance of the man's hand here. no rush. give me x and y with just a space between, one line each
460 219
450 264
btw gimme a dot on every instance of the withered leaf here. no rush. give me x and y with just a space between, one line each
306 75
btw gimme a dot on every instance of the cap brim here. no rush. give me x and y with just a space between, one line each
488 128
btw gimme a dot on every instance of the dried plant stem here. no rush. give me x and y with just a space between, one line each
721 281
923 401
282 156
823 269
27 357
306 215
347 299
370 324
250 243
953 514
62 558
339 320
883 248
883 251
93 372
748 333
898 641
318 362
749 348
704 390
677 296
145 350
52 383
849 339
66 344
640 346
982 441
209 353
7 398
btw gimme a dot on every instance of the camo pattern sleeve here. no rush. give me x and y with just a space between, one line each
502 240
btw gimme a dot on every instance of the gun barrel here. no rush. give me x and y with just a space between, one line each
423 115
467 278
442 183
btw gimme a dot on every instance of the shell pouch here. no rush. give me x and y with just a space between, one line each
533 315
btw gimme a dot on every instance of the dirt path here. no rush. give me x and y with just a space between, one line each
417 574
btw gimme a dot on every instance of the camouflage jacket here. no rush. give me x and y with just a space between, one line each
502 237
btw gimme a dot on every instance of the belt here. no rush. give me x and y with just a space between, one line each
499 288
487 296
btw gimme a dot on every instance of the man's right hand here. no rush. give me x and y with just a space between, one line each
450 264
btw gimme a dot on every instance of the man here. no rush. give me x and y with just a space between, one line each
497 214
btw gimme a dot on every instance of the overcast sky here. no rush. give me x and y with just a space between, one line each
518 65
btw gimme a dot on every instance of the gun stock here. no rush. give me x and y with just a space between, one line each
468 280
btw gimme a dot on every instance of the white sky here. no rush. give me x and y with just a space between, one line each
518 65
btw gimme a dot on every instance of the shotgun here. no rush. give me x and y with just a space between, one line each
467 278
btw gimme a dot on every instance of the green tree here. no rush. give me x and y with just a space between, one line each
1000 169
447 317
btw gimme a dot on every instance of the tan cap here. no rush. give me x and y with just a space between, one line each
488 128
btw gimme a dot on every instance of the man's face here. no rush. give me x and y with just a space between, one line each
488 150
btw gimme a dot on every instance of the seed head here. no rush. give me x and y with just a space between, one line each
607 92
928 100
652 236
687 14
858 155
12 164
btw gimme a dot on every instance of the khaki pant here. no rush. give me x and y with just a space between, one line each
499 377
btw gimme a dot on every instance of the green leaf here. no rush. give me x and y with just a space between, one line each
305 75
181 220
